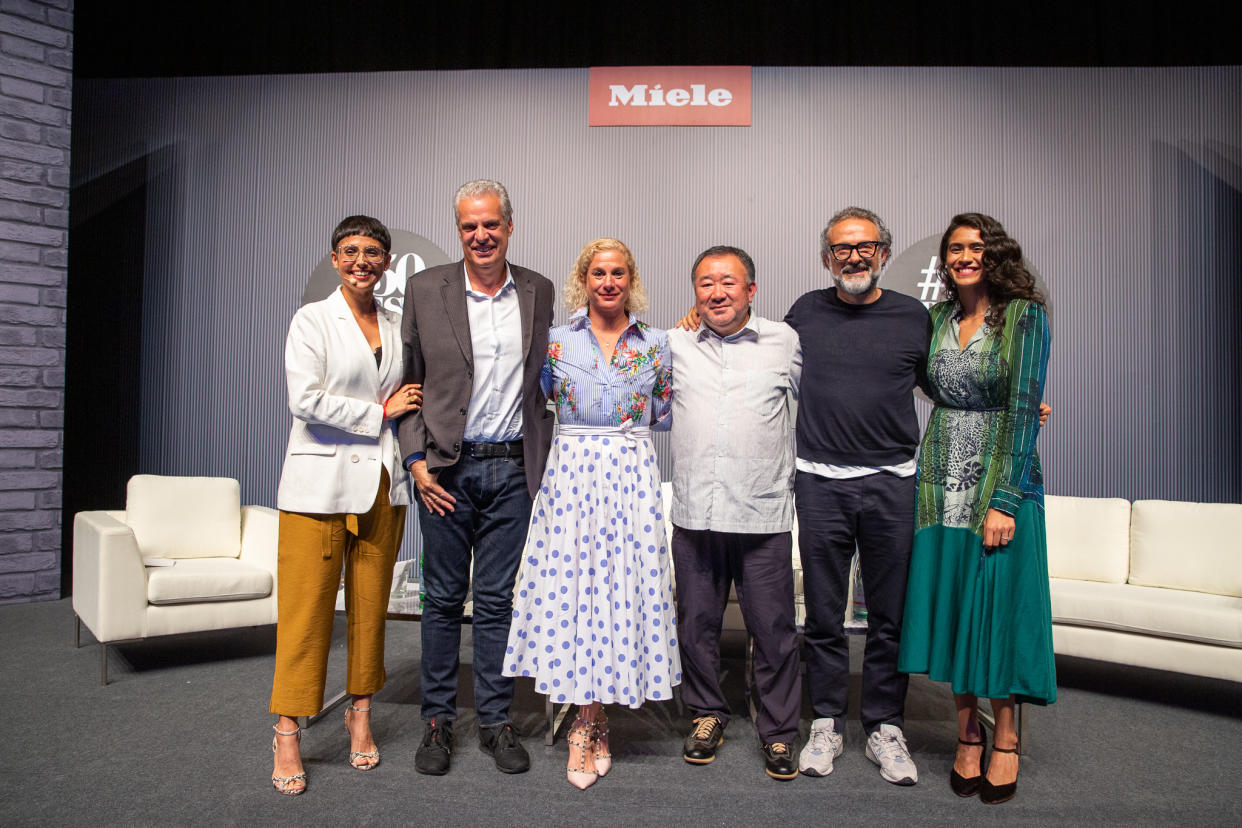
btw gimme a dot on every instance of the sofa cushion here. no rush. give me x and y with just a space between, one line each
184 517
195 580
1191 546
1167 613
1088 538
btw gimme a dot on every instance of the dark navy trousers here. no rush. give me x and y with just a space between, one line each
760 568
876 513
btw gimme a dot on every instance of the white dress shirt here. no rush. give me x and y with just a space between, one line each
495 414
732 443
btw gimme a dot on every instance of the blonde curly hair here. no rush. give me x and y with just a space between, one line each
575 293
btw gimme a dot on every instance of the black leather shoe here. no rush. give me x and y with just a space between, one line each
700 746
991 794
778 761
969 785
437 747
501 743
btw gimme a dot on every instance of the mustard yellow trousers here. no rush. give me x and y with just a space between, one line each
312 550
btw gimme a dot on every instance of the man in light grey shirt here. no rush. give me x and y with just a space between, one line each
733 467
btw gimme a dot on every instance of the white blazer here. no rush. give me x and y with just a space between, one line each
339 438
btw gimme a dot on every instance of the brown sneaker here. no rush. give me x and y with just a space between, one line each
700 745
778 761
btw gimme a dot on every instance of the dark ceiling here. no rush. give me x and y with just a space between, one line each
144 38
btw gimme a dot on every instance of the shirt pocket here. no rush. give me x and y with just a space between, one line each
311 439
766 392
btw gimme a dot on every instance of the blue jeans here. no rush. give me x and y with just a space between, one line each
490 520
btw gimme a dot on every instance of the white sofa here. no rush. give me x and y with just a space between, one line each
219 561
1155 584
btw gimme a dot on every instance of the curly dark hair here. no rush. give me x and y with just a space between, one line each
1004 274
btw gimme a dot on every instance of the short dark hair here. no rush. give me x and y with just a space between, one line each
362 226
726 250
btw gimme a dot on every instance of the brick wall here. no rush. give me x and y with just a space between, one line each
36 72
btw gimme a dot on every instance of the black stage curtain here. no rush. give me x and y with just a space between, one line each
152 38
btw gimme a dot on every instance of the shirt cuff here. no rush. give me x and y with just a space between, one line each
1006 500
416 456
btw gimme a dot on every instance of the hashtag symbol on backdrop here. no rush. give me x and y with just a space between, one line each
931 281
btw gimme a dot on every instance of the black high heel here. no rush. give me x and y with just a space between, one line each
995 794
969 786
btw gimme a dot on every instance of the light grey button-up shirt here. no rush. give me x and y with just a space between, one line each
732 443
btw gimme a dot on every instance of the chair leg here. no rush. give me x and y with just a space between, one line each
77 631
751 692
549 716
103 664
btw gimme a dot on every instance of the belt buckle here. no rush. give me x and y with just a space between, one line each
486 451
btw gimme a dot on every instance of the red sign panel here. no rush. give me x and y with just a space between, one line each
669 96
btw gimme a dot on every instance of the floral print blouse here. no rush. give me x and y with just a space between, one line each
636 385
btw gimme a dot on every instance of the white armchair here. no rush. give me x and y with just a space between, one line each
217 562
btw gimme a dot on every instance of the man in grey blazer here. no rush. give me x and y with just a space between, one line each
475 335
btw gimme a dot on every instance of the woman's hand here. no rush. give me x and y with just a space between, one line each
998 529
689 322
1045 411
433 494
405 399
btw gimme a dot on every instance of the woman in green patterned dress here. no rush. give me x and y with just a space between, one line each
977 604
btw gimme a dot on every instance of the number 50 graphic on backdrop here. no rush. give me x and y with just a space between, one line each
410 254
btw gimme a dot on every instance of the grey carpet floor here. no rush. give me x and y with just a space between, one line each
180 736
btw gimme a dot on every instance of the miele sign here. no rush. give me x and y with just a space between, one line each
669 96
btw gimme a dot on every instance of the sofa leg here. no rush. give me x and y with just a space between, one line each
103 664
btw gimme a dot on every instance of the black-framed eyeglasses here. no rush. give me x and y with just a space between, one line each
866 250
350 253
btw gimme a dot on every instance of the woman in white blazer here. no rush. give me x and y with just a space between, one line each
342 496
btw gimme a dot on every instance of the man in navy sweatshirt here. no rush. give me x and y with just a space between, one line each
864 350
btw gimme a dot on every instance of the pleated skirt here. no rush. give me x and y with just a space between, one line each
982 621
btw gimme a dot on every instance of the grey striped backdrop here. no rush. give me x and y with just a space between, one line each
1123 186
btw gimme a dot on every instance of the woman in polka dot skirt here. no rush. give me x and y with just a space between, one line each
594 620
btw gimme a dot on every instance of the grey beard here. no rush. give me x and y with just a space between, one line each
858 288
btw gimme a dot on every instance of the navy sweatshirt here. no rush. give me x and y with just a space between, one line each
860 364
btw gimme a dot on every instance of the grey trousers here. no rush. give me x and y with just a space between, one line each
761 568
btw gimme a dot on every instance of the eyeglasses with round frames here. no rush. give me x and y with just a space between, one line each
350 253
866 250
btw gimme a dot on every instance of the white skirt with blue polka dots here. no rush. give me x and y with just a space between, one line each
593 612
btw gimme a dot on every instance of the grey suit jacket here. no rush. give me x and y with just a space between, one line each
435 335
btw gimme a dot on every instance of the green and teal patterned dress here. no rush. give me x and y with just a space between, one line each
981 619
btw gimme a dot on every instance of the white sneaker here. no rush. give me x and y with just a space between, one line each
822 746
887 748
